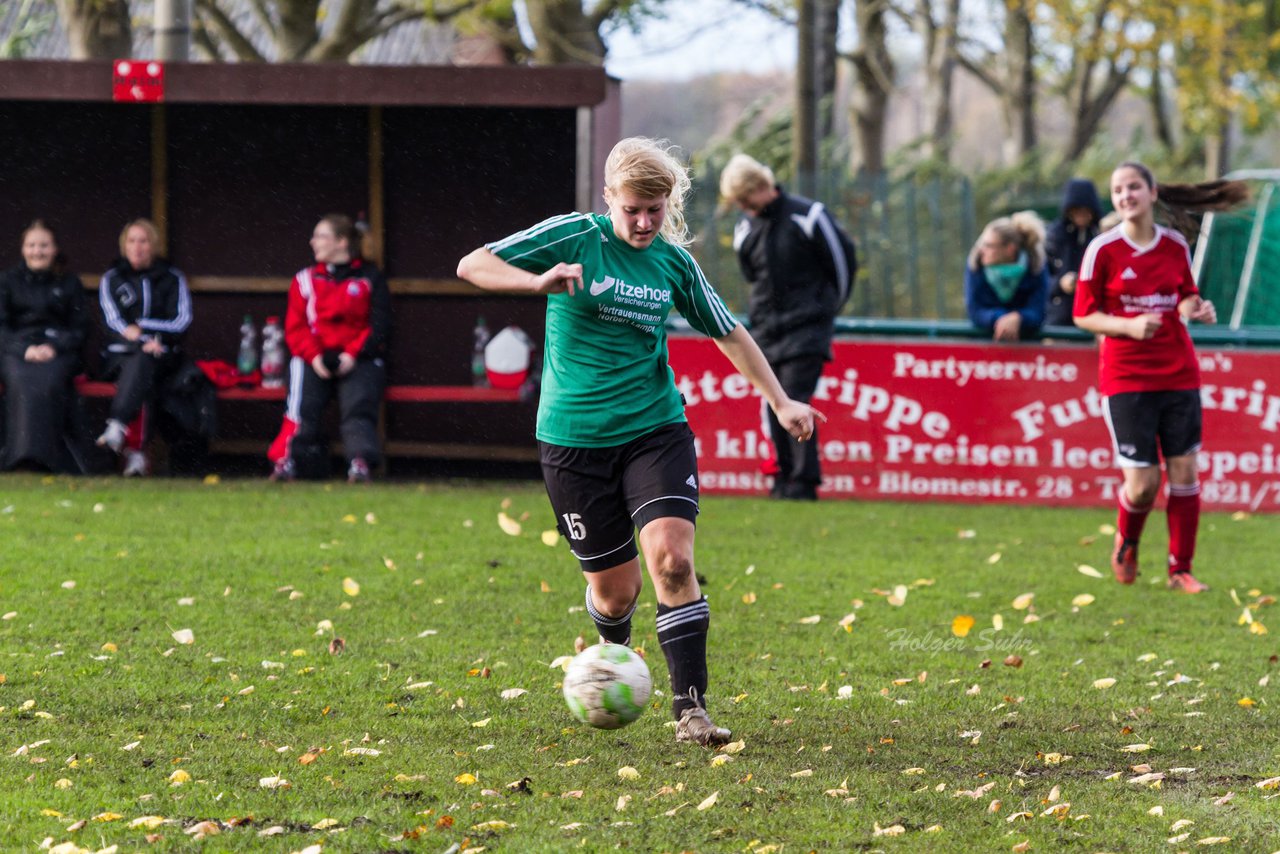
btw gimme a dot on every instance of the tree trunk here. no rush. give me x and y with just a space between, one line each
940 61
804 133
97 29
1160 109
298 30
827 64
873 71
565 33
1088 110
1020 91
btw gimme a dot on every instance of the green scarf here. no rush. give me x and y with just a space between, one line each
1005 278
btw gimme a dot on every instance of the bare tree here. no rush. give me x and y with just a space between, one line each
1009 72
940 39
874 75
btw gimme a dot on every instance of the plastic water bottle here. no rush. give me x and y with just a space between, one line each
272 353
479 378
247 360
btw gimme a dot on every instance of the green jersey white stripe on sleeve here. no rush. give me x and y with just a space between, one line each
534 231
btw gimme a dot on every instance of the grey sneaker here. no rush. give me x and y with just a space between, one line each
135 463
358 472
696 726
113 437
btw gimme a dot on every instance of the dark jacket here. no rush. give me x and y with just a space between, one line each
41 307
985 308
801 266
156 299
1065 245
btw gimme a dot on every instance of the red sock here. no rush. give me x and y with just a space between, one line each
1130 520
137 429
1184 522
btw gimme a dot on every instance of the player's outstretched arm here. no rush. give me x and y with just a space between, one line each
739 347
485 270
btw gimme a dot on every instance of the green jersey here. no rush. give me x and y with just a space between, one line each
605 377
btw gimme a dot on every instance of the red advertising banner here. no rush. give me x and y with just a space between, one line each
922 420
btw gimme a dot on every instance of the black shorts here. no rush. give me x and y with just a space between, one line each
601 495
1141 420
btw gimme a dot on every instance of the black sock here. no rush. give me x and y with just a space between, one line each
612 629
682 632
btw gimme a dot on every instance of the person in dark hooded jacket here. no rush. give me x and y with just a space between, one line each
42 330
1065 242
801 266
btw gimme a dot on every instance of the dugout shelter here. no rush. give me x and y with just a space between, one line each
236 162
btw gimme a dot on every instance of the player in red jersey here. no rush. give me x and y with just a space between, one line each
1136 291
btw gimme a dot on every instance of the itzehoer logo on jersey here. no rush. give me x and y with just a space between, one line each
645 296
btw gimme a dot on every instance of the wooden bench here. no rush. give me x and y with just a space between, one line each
393 446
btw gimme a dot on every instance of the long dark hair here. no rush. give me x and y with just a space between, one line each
59 264
1179 201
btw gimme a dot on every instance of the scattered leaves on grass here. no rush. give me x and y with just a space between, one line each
710 801
961 625
1022 602
508 525
351 587
184 636
1104 683
1085 569
626 772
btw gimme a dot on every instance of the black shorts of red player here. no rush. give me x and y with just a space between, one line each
601 496
1146 425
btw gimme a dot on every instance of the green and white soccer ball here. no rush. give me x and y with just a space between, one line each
607 685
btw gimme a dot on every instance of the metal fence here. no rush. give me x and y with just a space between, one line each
913 236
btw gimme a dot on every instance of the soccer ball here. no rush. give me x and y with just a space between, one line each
607 685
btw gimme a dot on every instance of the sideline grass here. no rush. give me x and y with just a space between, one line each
447 598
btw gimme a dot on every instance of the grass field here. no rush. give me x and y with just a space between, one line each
891 732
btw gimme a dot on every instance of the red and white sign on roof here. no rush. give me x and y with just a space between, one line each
137 81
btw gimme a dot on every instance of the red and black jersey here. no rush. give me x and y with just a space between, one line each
343 307
1122 279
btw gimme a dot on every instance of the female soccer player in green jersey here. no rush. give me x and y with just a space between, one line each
616 450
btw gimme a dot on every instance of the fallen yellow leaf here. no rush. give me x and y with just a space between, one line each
961 625
1023 602
508 525
351 587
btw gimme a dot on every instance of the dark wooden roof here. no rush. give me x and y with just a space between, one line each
317 84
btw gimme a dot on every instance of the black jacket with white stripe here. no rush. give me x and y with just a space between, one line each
156 299
801 265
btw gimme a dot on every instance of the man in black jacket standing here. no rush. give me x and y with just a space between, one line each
801 266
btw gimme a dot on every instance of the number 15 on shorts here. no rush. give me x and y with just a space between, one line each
573 527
